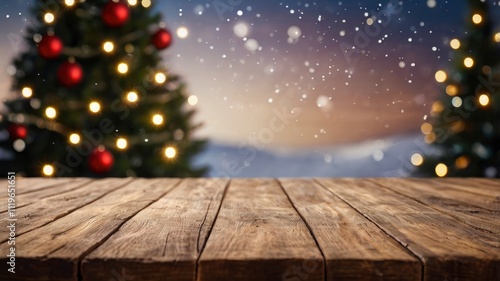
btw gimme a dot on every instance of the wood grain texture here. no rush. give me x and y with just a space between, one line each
53 252
486 187
258 235
28 185
26 194
163 241
478 211
449 249
48 209
353 246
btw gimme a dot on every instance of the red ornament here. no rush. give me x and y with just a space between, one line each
50 47
115 14
100 161
70 74
162 39
17 131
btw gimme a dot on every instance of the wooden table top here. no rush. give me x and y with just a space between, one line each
251 229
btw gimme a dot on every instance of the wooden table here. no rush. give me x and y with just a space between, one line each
253 229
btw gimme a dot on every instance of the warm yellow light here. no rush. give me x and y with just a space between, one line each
452 90
74 138
146 3
27 92
441 76
455 44
430 138
49 17
468 62
48 170
193 100
50 112
122 68
441 170
157 119
182 32
417 159
69 2
108 46
160 78
437 107
462 162
95 107
477 18
458 126
170 152
426 128
484 99
121 143
132 97
132 2
497 37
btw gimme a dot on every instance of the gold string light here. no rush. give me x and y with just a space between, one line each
48 170
441 170
484 99
157 119
170 152
74 138
94 107
27 92
122 68
469 62
455 44
50 112
108 46
417 159
160 77
132 97
49 17
441 76
121 143
477 18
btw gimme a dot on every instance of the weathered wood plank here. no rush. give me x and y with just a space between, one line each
49 209
477 210
258 235
484 187
354 247
53 252
28 185
449 249
163 241
35 195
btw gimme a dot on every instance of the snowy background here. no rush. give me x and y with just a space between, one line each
296 87
381 158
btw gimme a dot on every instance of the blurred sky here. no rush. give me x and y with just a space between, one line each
250 62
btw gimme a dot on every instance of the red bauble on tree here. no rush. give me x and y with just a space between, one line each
115 14
70 74
162 39
50 47
17 131
100 161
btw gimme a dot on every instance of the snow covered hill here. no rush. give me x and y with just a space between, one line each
379 158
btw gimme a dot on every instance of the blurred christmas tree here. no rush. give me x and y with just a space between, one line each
93 99
465 128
